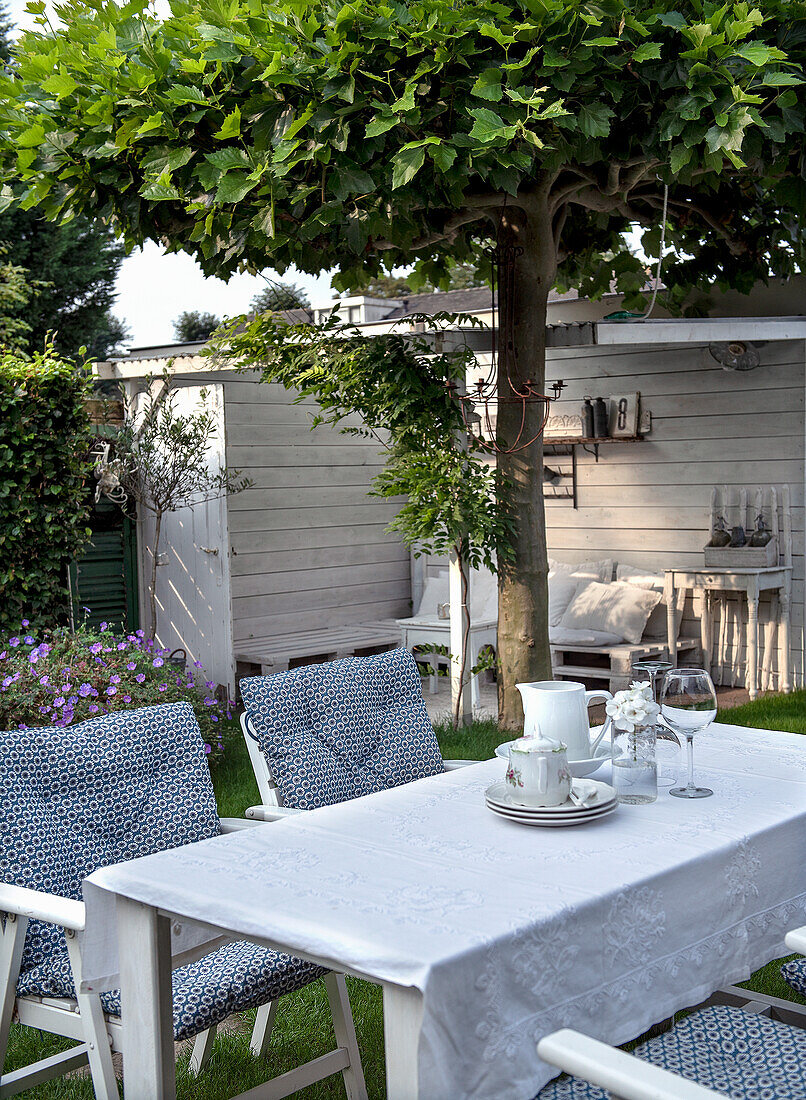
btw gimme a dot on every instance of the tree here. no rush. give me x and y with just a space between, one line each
365 136
459 277
70 272
192 326
73 268
160 461
277 296
15 294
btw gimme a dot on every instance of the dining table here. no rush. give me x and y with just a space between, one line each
485 934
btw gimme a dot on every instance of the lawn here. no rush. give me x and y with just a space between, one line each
303 1029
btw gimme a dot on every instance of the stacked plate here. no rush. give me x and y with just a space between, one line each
599 804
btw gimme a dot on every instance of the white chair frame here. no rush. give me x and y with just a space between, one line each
631 1078
272 808
99 1035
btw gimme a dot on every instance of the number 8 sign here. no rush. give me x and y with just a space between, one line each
624 411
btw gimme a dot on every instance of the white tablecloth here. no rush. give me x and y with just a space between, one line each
510 932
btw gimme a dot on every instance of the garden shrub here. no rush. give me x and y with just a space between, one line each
44 442
63 677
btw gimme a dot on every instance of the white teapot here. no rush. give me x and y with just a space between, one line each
538 773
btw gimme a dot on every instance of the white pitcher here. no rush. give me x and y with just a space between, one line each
558 709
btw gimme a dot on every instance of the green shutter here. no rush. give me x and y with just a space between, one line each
104 578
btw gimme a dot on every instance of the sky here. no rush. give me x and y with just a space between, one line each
153 287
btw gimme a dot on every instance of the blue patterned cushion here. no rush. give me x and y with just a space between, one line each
795 974
735 1053
343 729
236 977
78 798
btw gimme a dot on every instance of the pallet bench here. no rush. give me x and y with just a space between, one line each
612 663
280 652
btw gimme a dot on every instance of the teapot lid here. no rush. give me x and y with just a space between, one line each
539 743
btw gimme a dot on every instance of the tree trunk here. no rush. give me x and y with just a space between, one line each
527 269
152 594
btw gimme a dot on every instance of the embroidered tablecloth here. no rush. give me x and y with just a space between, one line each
509 932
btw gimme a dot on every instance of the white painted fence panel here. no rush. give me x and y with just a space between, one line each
309 547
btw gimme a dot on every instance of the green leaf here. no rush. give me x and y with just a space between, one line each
231 126
60 85
443 156
406 165
352 181
32 137
157 191
780 80
158 160
228 158
297 124
233 187
594 120
647 51
758 54
380 125
490 31
153 122
488 85
679 158
489 126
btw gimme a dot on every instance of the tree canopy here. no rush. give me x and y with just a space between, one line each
278 295
192 326
323 135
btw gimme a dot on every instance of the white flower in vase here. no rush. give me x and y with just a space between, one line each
633 707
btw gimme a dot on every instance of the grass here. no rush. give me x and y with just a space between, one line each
303 1029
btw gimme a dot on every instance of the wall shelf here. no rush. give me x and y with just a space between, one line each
590 444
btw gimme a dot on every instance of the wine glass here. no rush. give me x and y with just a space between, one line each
687 705
653 672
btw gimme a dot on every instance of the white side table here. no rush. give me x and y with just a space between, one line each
750 581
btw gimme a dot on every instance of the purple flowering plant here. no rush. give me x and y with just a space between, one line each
105 672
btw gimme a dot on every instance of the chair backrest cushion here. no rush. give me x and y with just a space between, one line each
343 729
113 788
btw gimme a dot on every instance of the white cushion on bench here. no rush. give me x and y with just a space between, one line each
621 609
642 578
559 635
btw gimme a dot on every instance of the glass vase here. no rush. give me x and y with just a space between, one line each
635 771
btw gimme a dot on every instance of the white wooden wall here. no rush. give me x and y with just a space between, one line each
648 503
309 548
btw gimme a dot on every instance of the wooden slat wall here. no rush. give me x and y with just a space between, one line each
309 547
647 504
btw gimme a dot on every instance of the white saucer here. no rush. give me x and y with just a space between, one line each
499 797
559 821
578 768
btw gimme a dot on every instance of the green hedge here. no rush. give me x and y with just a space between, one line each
44 440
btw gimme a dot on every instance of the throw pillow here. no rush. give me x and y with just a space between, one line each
621 609
562 589
601 570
